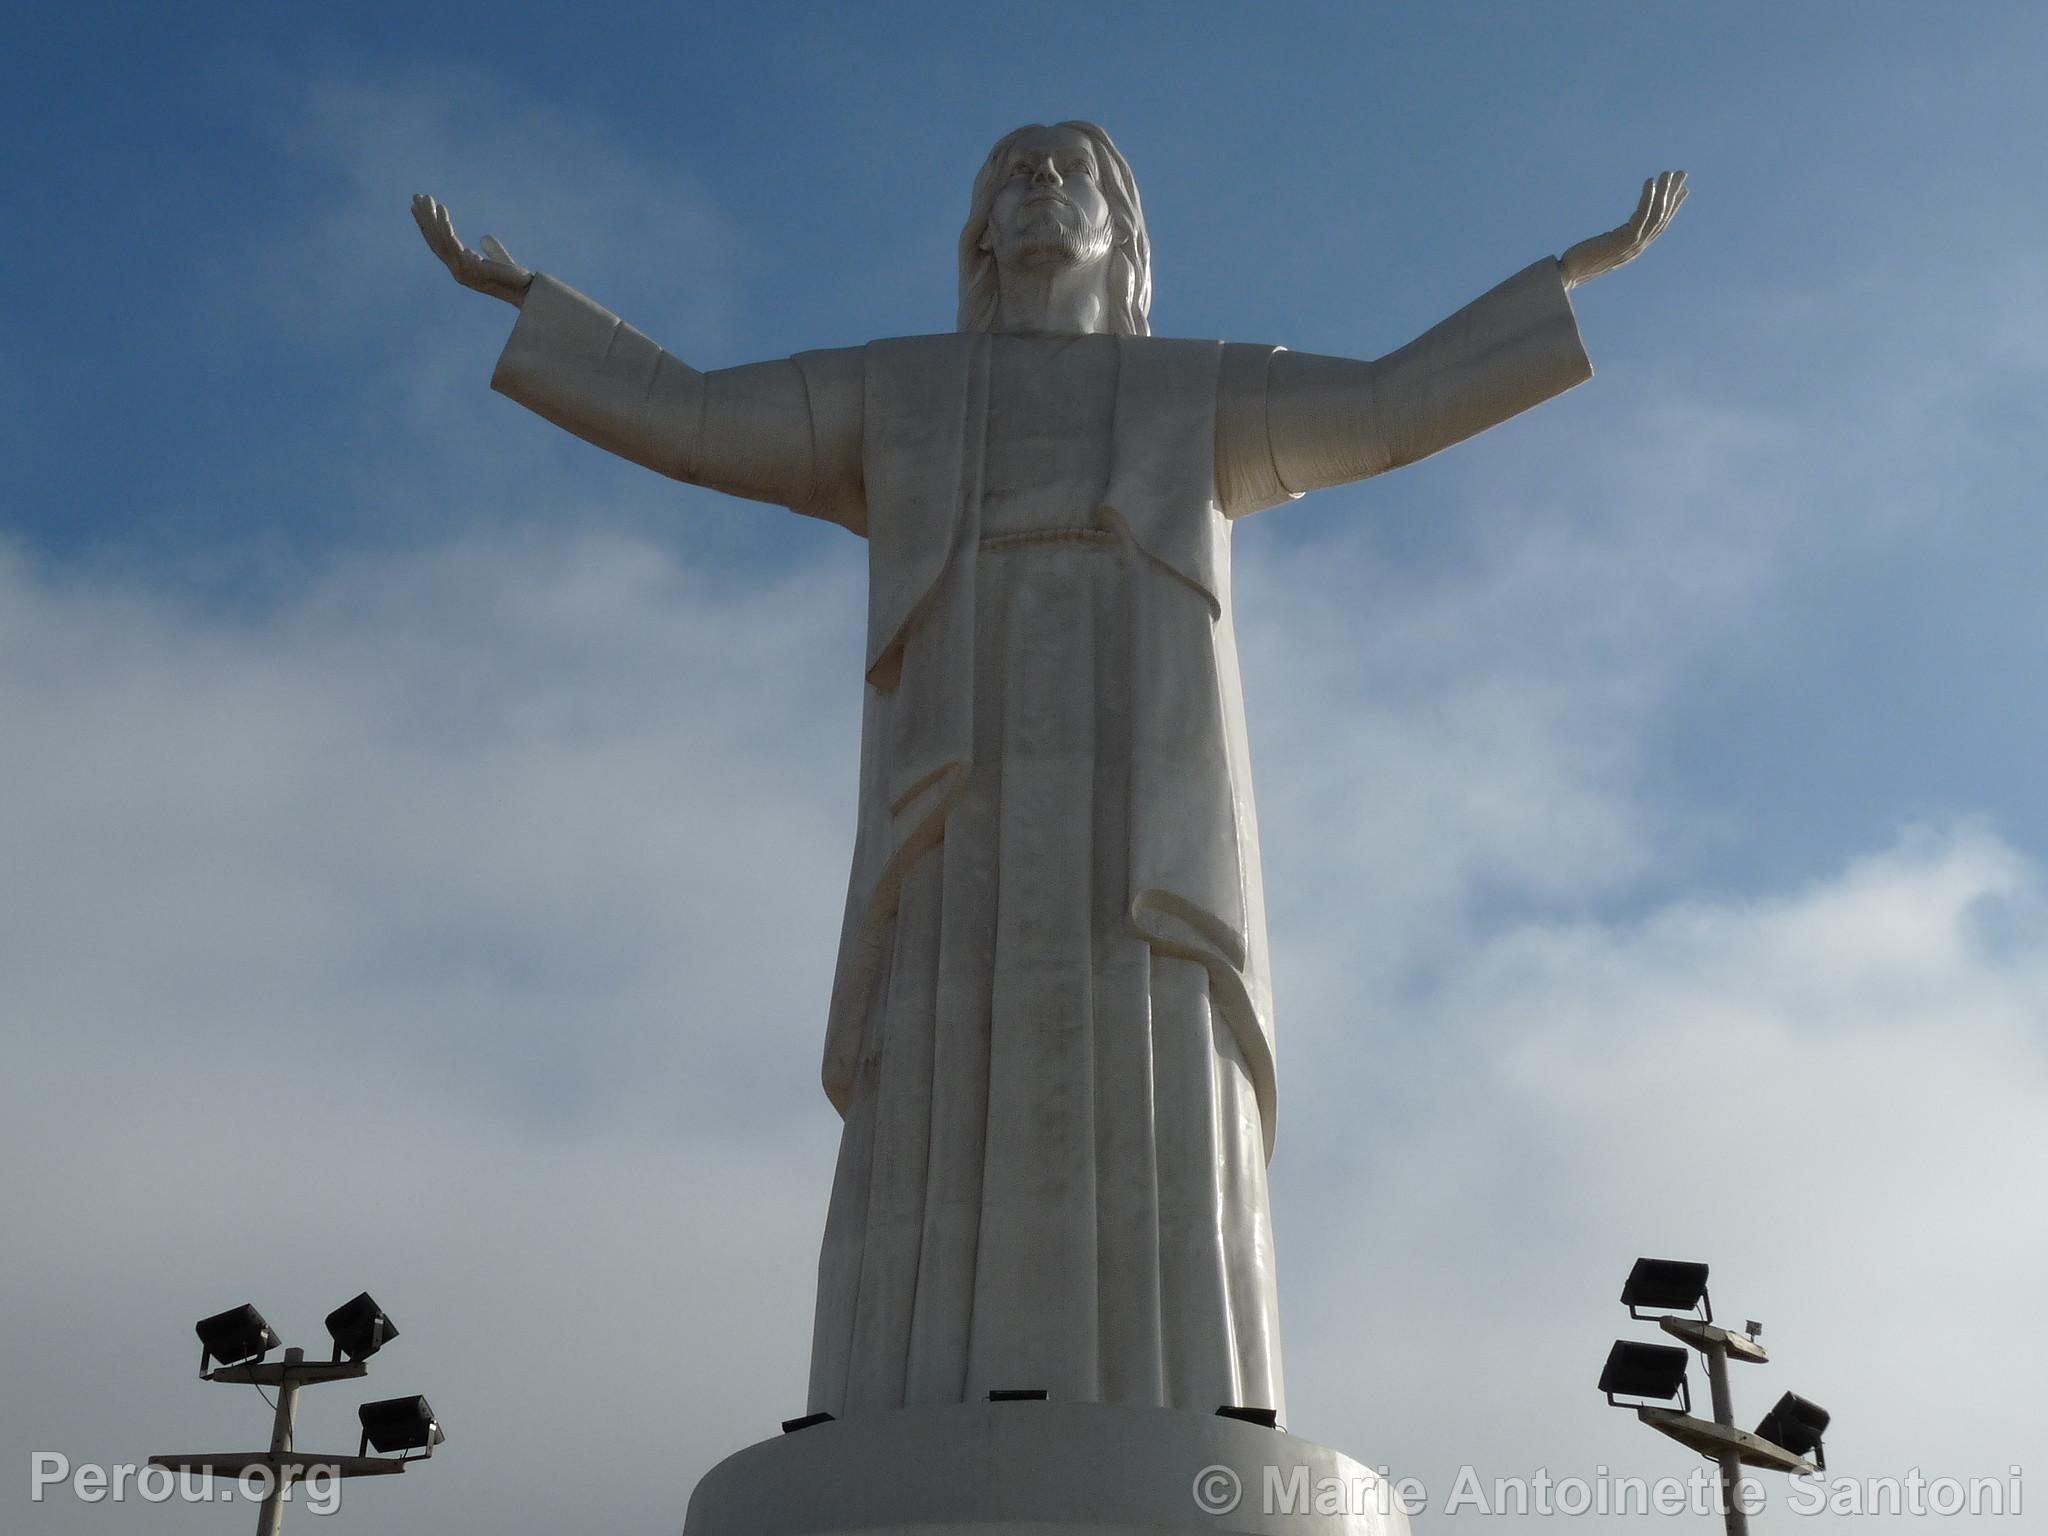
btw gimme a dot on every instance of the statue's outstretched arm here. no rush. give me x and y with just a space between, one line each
748 431
1333 420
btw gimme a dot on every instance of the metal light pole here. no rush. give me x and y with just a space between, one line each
1728 1456
1667 1283
360 1330
1719 1439
282 1429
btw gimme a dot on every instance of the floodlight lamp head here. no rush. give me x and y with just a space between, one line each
1265 1418
1797 1425
1666 1285
400 1424
1653 1371
360 1328
233 1337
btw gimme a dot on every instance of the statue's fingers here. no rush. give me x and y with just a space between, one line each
1654 214
496 251
1662 211
1646 209
455 245
1674 194
434 226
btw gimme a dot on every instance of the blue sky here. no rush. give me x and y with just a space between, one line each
348 713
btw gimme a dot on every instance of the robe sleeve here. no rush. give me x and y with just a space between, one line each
1332 420
1247 479
747 431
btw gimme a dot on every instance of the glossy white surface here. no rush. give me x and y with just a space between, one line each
1054 1469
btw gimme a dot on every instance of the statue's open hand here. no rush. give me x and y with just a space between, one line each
494 272
1662 196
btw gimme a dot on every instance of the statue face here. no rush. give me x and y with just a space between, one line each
1050 207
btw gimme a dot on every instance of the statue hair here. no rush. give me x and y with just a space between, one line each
1130 253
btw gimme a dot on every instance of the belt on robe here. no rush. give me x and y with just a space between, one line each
999 541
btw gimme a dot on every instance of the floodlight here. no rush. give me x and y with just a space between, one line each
1017 1395
1646 1370
234 1336
1666 1285
400 1424
360 1328
1265 1418
1797 1425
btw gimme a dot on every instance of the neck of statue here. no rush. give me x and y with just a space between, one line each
1053 299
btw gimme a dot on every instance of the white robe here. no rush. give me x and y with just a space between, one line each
1051 1029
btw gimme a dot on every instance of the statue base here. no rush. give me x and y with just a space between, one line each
1041 1469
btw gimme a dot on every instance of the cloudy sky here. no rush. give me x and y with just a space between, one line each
422 838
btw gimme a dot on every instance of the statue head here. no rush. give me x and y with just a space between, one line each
1058 194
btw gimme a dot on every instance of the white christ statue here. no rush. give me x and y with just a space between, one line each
1051 1032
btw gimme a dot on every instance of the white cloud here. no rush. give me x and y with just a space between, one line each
563 194
458 928
469 916
482 813
1832 1095
326 285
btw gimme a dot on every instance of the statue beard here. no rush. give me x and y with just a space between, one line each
1051 241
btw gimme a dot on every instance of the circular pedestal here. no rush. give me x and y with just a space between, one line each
1041 1469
